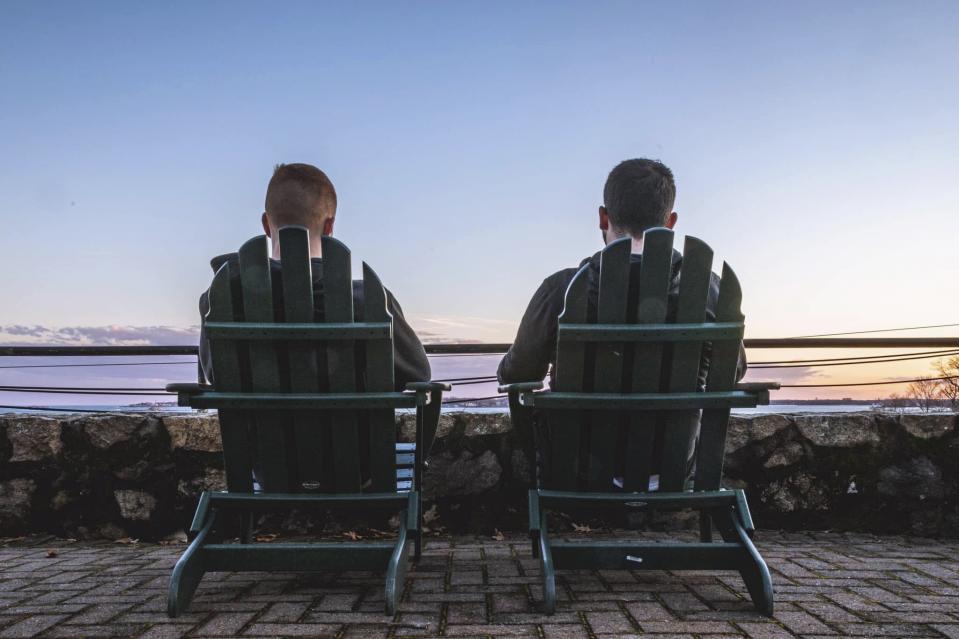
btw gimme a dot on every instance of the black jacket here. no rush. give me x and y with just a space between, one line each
534 349
409 359
533 352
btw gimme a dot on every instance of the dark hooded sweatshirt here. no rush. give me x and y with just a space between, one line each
409 359
533 352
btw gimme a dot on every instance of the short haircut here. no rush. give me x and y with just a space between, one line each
639 195
300 194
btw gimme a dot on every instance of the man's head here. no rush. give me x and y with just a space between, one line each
299 195
639 195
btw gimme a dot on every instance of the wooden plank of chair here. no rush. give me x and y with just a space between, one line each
271 435
338 302
564 425
311 435
654 280
234 424
686 359
721 377
608 371
379 377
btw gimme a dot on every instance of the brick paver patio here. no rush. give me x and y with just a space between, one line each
826 585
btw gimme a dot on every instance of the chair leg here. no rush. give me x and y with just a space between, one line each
188 572
396 571
549 572
705 527
754 571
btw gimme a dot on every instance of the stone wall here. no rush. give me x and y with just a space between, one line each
138 475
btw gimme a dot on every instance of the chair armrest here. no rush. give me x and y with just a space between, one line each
188 387
757 386
426 387
520 387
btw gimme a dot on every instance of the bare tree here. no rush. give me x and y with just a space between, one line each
924 392
949 386
897 402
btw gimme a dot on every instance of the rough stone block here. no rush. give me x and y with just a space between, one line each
136 505
928 426
15 498
33 438
194 432
105 431
839 430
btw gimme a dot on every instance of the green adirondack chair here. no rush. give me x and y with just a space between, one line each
591 414
291 406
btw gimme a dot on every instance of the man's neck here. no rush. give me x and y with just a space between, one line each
637 243
316 247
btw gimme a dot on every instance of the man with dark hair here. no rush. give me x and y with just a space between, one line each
638 196
302 195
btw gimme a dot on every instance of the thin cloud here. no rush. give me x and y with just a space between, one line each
115 335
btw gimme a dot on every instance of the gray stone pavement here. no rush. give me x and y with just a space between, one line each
827 585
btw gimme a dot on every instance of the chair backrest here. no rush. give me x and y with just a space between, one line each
639 341
320 350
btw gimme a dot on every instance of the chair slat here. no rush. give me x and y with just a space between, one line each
721 377
565 426
379 377
234 425
653 300
338 301
608 376
271 432
310 432
686 359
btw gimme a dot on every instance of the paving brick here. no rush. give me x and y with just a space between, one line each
293 630
31 626
225 624
827 586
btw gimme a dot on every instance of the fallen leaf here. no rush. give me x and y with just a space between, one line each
497 535
431 515
266 538
129 541
380 533
582 528
51 553
351 535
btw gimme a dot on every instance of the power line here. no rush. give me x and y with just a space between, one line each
121 389
97 365
880 330
861 357
853 363
898 381
471 399
55 409
57 391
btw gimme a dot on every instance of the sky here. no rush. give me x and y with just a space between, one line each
814 148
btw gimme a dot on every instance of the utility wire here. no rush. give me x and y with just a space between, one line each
898 381
57 409
880 330
471 399
861 357
97 365
853 363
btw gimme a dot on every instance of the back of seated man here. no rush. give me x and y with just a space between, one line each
638 196
302 195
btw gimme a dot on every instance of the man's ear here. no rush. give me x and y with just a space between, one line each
266 225
603 219
328 225
671 220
